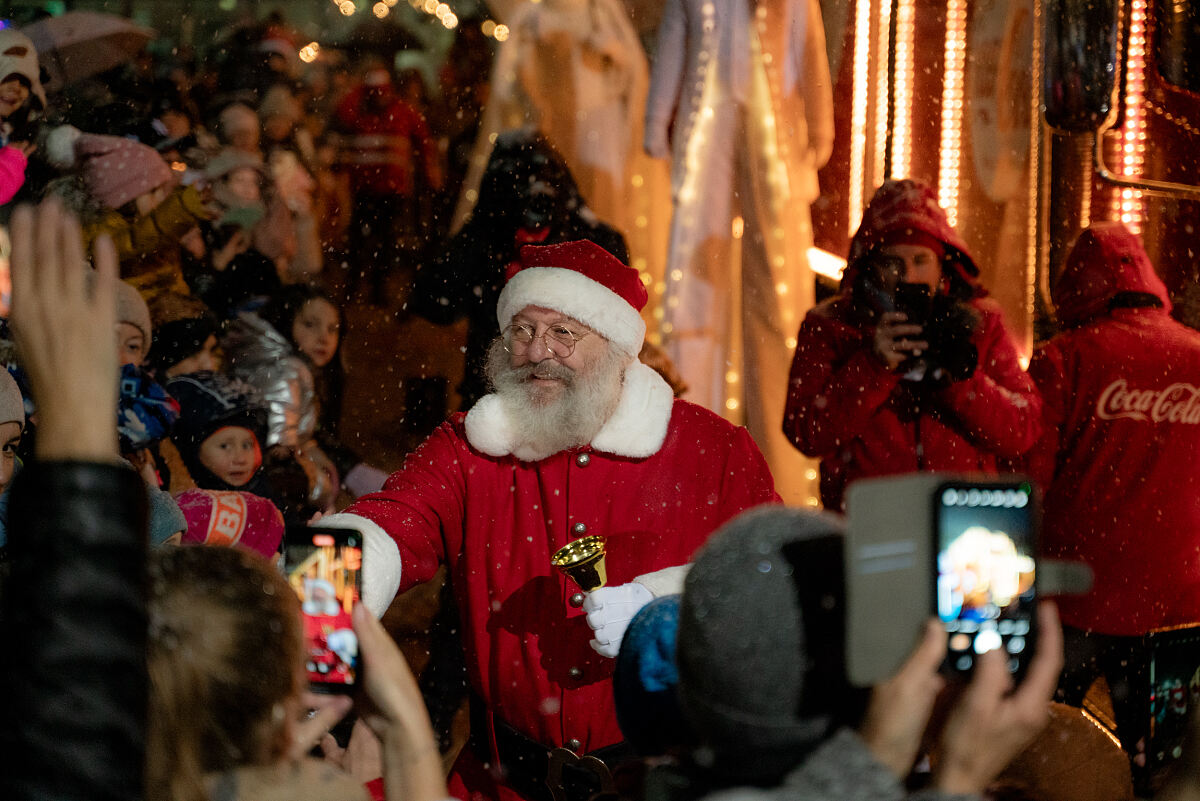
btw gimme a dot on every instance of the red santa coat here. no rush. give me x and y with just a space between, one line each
660 476
1120 457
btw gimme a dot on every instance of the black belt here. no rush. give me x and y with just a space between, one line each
540 773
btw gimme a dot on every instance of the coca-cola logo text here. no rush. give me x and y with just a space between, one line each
1177 403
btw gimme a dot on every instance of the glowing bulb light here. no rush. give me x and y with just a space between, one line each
380 9
1128 206
501 33
347 8
902 89
858 110
950 150
883 94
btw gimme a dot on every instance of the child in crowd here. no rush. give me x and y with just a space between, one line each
12 423
145 413
227 270
129 193
185 337
263 355
309 318
222 423
22 101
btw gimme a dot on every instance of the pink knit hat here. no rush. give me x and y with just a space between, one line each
117 170
231 519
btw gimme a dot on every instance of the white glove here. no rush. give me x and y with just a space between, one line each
609 610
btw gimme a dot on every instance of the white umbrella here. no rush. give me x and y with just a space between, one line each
80 44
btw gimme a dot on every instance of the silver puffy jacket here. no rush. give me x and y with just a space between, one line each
262 357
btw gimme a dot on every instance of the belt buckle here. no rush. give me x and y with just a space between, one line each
561 757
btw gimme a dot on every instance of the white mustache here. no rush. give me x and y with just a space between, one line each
547 369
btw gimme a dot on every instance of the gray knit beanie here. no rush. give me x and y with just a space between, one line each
12 406
761 642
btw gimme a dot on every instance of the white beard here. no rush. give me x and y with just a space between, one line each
549 420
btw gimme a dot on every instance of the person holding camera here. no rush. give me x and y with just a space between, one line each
909 367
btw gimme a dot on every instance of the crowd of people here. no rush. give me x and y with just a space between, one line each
231 214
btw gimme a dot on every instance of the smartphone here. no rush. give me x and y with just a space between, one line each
915 301
1172 694
985 577
324 567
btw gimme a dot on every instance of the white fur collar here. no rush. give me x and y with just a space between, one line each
636 429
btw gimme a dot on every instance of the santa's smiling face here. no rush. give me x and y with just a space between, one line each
559 395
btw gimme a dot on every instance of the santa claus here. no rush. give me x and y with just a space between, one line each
578 438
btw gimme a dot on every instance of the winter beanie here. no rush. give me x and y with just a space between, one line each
12 405
182 324
165 517
231 518
761 641
18 56
583 281
116 170
132 309
210 401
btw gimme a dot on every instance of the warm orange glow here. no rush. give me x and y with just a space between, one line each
902 90
1127 204
883 94
858 111
950 150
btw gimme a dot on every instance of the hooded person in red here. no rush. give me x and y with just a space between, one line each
909 367
1119 459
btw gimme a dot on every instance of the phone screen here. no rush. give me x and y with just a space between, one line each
985 593
1174 668
324 567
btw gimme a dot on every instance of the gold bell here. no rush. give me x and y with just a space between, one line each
582 561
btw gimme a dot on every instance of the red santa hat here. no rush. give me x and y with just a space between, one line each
583 281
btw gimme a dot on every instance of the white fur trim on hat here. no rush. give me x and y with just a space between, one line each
636 429
381 560
60 146
577 296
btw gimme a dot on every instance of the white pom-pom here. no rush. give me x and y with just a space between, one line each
60 146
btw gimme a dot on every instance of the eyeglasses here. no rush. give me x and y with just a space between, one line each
558 339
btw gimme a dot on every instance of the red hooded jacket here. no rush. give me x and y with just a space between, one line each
862 420
1119 461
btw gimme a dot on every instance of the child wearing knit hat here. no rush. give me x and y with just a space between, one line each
22 101
131 195
12 423
133 326
221 426
185 336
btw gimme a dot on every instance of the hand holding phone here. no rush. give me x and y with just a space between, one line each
992 722
324 567
984 569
